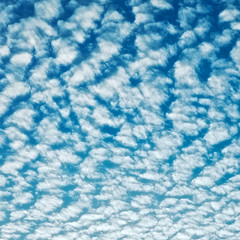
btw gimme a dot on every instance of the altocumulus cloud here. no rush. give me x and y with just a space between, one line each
119 119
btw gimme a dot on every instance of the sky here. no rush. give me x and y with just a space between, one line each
119 119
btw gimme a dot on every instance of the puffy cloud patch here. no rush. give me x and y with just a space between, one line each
119 120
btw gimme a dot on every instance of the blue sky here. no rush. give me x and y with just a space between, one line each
119 119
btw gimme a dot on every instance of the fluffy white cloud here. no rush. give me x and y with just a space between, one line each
235 55
161 4
216 134
4 51
185 74
228 15
23 118
65 53
21 59
47 9
119 121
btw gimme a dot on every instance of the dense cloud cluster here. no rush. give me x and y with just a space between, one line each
120 119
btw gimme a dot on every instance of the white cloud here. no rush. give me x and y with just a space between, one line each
161 4
228 15
4 103
11 167
21 59
14 133
16 89
3 181
216 134
125 137
141 14
235 26
112 16
47 9
49 133
23 118
2 216
185 74
186 16
235 54
112 85
82 74
206 49
224 38
187 39
203 181
23 198
4 51
48 203
102 116
218 84
202 27
65 53
86 16
140 132
175 137
107 50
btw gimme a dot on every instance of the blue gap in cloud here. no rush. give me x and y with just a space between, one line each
204 70
229 222
134 81
96 203
224 51
145 180
68 9
14 106
214 9
159 197
235 84
67 200
70 168
96 234
50 53
7 199
67 197
210 159
165 108
5 151
196 171
123 8
133 194
23 9
62 101
128 46
39 112
74 119
98 188
55 70
116 112
33 183
224 179
188 140
171 160
107 69
167 15
33 63
220 146
26 206
86 48
110 130
106 166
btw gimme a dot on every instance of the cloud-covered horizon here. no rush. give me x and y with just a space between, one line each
120 119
